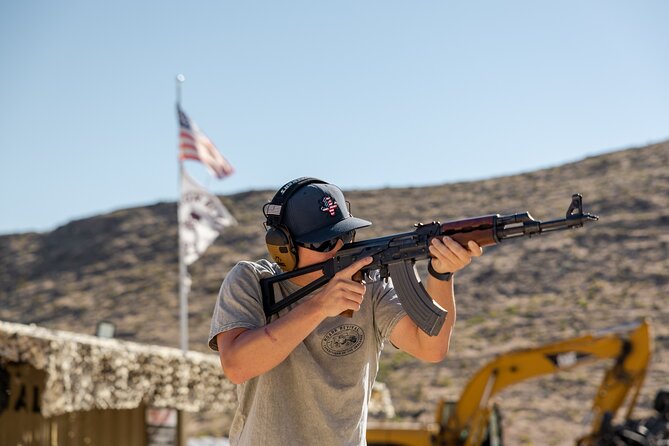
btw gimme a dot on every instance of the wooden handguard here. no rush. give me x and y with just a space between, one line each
480 229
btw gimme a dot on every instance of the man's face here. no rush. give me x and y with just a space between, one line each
329 245
307 257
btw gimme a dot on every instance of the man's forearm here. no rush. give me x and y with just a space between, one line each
257 351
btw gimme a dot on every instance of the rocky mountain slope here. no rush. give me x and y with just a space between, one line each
122 267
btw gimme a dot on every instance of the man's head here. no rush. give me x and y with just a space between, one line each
310 213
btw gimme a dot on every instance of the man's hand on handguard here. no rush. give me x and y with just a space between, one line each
450 256
342 292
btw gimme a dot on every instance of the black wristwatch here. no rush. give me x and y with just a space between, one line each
439 276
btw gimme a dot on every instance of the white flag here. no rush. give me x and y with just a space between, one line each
201 218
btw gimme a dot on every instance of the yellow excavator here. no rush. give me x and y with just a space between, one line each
474 419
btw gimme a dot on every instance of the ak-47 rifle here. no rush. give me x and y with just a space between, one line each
394 256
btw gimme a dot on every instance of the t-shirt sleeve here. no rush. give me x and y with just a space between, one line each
388 309
239 302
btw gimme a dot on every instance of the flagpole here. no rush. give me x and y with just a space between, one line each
183 270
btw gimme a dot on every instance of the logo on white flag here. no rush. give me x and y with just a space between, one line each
202 218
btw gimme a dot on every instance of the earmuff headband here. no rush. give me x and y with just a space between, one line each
274 209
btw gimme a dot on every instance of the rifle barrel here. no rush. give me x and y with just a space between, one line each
534 227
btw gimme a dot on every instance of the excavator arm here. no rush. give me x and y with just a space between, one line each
629 347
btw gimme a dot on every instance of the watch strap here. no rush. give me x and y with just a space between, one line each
439 276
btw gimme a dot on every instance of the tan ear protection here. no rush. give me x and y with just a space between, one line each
279 241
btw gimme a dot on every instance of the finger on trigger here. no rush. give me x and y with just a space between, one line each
355 266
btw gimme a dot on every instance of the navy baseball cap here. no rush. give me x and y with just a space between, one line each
318 212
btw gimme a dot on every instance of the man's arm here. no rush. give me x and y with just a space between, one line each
449 256
245 353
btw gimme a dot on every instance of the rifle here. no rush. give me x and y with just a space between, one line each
395 255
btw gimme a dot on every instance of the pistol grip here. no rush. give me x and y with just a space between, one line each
358 278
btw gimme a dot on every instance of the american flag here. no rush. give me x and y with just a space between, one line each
329 205
195 145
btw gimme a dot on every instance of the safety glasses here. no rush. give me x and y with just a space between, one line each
329 245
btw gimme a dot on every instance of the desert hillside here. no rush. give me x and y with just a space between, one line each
122 267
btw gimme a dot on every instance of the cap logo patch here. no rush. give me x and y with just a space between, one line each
329 205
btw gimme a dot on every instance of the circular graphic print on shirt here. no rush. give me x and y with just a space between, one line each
343 340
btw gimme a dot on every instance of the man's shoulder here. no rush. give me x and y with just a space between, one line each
258 269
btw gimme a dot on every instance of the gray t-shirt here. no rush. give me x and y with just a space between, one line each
320 393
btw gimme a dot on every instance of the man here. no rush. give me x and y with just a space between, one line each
305 377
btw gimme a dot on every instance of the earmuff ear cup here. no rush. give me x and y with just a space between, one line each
278 239
281 248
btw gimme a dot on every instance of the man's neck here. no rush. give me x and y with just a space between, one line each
306 279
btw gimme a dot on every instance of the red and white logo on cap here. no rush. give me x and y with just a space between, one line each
329 205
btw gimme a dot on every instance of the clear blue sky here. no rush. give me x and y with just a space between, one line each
365 94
